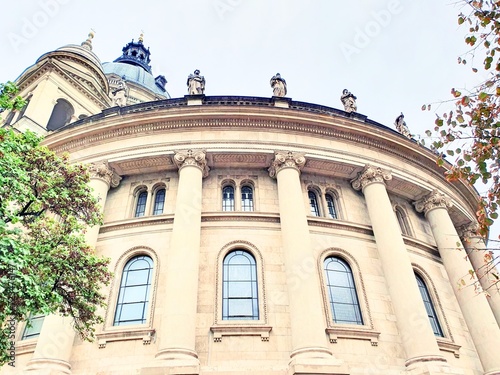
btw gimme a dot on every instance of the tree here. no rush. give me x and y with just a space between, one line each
45 264
470 132
9 98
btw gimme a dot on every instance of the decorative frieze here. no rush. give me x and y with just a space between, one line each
102 170
286 159
195 158
369 175
434 199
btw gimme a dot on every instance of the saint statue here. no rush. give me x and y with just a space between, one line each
196 83
279 85
119 94
349 101
401 126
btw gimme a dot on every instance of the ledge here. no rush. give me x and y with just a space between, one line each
144 334
26 346
353 333
449 346
240 330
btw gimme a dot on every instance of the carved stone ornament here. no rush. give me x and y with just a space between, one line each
284 159
434 199
103 171
470 230
192 157
369 175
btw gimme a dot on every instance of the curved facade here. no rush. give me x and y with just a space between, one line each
269 236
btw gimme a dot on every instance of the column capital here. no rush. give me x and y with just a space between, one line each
286 159
103 171
433 200
195 158
369 175
470 230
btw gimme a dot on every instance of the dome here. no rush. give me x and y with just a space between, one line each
135 74
81 51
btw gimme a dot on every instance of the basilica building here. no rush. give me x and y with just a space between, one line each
255 235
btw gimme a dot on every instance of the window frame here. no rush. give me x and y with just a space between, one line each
317 195
137 194
335 203
232 185
243 186
403 220
23 336
156 190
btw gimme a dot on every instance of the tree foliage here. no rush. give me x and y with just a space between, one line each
470 132
9 98
45 264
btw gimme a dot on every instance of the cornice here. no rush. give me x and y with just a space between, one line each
136 223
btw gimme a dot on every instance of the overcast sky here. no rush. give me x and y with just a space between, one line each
394 55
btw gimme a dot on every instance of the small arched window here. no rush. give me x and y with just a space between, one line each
239 287
344 302
61 115
33 327
429 307
159 202
135 285
140 206
313 203
228 198
331 205
403 221
246 198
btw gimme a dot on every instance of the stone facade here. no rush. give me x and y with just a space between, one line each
325 184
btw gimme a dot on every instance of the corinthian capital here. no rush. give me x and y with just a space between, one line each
434 199
194 158
469 230
369 175
286 159
102 170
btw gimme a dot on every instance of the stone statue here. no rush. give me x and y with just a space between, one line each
120 94
279 85
401 126
349 101
196 83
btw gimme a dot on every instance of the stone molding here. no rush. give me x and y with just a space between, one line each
286 159
433 200
101 170
241 330
369 175
144 334
196 158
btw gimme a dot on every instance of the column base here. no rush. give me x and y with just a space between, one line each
312 361
173 361
432 365
45 366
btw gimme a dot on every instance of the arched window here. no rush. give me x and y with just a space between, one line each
61 115
159 202
342 292
239 287
246 198
228 198
135 285
403 221
140 207
313 203
33 327
331 205
429 307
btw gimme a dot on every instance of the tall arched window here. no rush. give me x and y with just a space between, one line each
33 327
159 202
228 198
135 285
313 203
140 207
344 302
429 307
246 198
239 287
61 115
331 205
403 221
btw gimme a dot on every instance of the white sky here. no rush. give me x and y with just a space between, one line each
394 55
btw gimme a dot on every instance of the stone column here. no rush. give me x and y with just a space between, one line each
481 260
178 319
413 324
55 343
304 292
475 309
